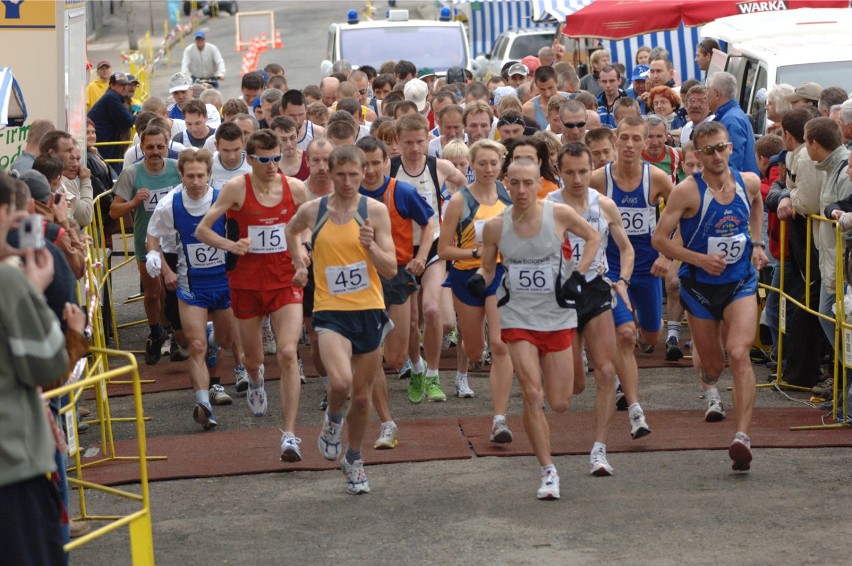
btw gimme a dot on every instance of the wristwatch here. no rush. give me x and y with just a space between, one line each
475 252
626 281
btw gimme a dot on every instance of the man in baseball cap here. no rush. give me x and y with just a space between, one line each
517 75
112 116
417 92
428 76
637 87
98 86
179 85
805 93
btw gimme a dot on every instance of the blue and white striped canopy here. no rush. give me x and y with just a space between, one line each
13 109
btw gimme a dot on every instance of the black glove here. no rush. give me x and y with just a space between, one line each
572 289
476 286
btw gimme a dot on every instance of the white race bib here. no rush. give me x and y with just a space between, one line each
267 239
638 221
534 279
202 256
156 196
732 246
477 228
345 279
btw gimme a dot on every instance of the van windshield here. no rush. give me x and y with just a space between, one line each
832 73
529 45
428 46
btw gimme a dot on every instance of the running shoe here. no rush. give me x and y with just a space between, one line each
715 410
740 453
417 387
302 377
643 346
177 353
638 426
500 432
166 348
241 378
549 489
620 399
203 415
270 348
256 399
600 468
405 370
463 390
356 478
673 351
387 437
213 348
433 390
452 338
329 438
290 448
218 396
324 403
153 348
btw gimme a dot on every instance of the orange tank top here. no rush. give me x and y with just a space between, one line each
345 277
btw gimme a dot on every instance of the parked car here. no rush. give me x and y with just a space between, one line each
514 45
224 6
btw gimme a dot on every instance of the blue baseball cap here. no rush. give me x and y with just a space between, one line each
640 73
200 35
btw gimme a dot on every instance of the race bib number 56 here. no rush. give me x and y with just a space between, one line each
345 279
535 279
267 239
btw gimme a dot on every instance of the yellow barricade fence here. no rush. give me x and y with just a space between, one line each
139 521
842 356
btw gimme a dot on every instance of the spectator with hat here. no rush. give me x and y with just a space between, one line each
805 93
637 88
417 92
456 75
179 85
517 75
96 89
203 61
428 76
112 118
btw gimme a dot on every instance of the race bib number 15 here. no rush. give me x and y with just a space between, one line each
267 239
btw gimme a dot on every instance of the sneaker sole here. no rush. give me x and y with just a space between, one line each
504 437
548 497
714 416
465 395
416 401
675 356
204 419
437 399
740 455
642 432
290 456
621 404
601 472
241 387
385 445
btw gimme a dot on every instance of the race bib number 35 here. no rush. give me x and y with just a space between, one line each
267 239
202 256
732 246
347 278
156 195
535 279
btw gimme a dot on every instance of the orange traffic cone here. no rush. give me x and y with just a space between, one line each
278 43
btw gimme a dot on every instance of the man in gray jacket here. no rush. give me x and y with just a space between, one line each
32 354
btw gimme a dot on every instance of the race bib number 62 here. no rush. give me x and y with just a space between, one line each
202 256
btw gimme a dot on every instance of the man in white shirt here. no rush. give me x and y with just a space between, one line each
229 161
203 61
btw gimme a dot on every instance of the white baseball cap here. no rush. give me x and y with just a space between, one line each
416 91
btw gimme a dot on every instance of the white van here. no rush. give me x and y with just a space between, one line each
793 47
427 43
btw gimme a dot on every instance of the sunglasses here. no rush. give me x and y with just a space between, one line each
570 125
711 149
266 160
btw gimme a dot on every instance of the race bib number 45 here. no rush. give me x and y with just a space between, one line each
345 279
202 256
267 239
732 246
535 279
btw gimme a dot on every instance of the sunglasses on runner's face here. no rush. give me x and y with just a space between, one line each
570 125
266 160
711 149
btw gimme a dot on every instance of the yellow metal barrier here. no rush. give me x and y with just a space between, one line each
838 320
138 522
126 143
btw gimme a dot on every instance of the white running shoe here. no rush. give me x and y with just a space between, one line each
218 396
242 379
600 468
740 453
270 347
256 399
715 410
638 426
387 437
203 415
463 390
302 377
290 448
500 432
329 438
356 478
549 489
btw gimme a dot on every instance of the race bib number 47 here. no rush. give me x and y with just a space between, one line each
343 279
156 196
267 239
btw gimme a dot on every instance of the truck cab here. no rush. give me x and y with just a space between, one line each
427 43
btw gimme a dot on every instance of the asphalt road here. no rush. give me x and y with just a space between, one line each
659 508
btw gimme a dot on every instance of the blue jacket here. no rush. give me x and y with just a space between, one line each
112 123
741 134
605 111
